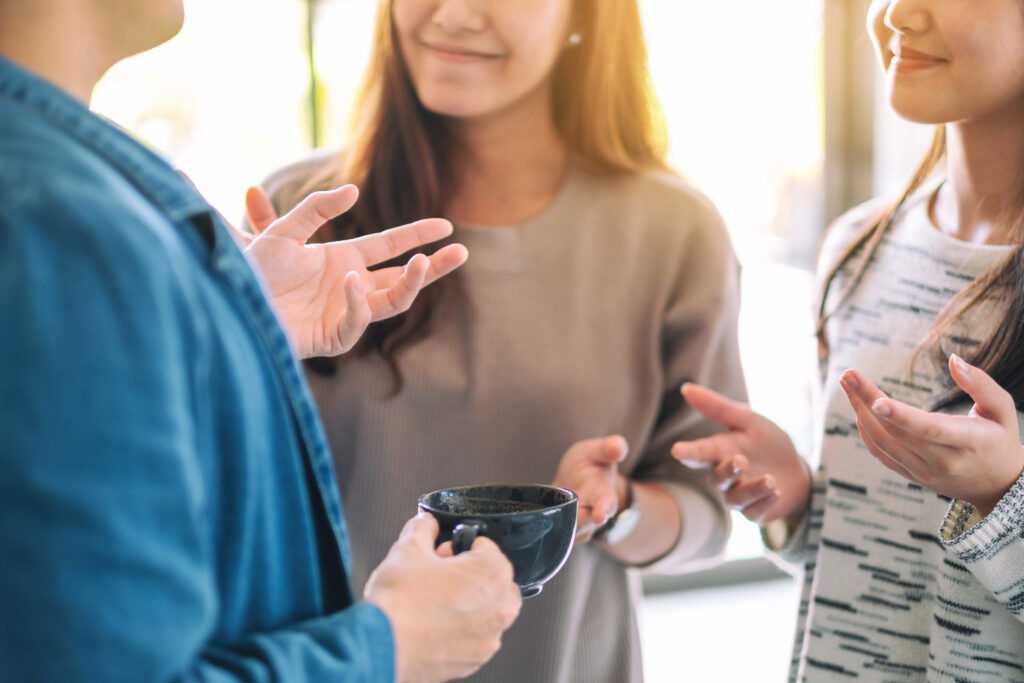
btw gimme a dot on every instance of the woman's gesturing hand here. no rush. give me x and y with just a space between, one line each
754 463
975 457
590 468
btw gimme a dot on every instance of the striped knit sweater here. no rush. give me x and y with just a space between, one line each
902 584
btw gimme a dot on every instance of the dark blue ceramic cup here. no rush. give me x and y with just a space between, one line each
533 524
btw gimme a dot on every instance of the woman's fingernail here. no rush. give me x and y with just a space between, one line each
881 407
849 381
961 365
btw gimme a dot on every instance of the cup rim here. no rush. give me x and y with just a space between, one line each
572 497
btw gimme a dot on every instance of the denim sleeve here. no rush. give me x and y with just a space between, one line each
352 645
106 569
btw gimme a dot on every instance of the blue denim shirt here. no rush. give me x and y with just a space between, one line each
168 510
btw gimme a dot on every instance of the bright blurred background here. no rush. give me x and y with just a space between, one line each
774 111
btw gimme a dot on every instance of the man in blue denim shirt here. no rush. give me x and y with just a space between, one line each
167 506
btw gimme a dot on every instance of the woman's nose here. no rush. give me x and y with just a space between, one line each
456 16
907 16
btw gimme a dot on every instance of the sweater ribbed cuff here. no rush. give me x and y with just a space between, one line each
703 531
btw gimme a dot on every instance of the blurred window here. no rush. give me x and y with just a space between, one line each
741 85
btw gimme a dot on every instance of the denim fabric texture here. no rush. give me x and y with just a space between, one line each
168 510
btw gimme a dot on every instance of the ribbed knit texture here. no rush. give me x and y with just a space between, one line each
885 598
581 322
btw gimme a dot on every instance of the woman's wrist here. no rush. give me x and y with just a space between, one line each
650 530
623 492
626 517
777 534
986 507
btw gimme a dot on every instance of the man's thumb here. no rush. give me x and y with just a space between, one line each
421 530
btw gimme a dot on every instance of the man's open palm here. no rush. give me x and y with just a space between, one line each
325 294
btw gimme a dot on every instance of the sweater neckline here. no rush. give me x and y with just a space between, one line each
918 219
513 246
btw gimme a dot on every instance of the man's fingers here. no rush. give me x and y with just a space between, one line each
259 210
441 262
357 311
383 246
396 288
305 219
398 297
444 261
486 550
717 407
990 400
421 530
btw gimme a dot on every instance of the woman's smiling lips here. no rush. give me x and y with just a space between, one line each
457 55
905 59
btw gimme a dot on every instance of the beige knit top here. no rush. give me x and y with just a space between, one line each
581 322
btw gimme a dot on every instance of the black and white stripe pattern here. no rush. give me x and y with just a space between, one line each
886 597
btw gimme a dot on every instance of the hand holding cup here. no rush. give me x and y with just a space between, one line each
447 613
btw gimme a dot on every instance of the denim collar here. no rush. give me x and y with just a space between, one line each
147 171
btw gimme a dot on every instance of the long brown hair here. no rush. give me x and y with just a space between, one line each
1001 355
402 156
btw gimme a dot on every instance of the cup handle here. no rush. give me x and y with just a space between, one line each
465 533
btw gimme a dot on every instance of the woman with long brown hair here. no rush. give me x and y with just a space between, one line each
598 282
911 529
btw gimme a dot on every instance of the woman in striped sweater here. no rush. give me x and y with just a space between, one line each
911 529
